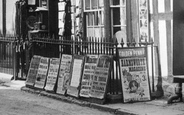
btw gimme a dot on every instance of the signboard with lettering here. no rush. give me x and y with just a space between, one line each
73 88
42 73
33 69
100 78
134 74
64 74
88 73
52 74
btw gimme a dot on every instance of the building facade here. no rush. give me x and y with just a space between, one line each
107 19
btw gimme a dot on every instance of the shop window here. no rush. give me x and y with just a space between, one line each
94 18
118 14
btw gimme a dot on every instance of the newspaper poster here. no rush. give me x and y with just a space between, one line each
73 88
134 74
88 73
101 76
42 73
64 74
52 74
33 69
143 20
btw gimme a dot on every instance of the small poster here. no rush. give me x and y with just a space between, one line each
64 74
73 88
42 73
101 76
88 73
143 20
134 74
33 69
52 74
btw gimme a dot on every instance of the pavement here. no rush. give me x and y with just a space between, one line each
153 107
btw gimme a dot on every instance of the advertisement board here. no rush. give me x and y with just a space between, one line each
134 74
88 73
64 74
77 67
52 74
101 76
42 73
33 69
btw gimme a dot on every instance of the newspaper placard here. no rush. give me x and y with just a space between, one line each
88 73
64 74
143 20
42 73
134 74
52 74
33 69
101 76
73 88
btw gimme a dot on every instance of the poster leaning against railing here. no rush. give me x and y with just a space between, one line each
101 77
134 74
88 73
33 69
64 74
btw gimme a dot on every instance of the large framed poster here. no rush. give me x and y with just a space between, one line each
33 69
144 20
64 74
73 88
134 74
42 73
52 74
88 73
101 76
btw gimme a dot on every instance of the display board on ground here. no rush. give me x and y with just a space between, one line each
88 73
64 74
101 77
73 88
42 73
52 74
33 69
134 74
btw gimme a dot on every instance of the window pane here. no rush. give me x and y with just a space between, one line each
116 16
94 4
101 3
1 23
87 4
115 29
115 2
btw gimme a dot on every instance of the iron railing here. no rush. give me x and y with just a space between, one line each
67 45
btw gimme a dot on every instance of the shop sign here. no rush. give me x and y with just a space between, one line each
134 74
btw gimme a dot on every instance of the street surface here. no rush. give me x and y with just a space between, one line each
16 102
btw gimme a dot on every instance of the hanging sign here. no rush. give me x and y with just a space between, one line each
134 74
73 88
52 74
100 78
88 73
31 76
143 20
64 74
42 73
